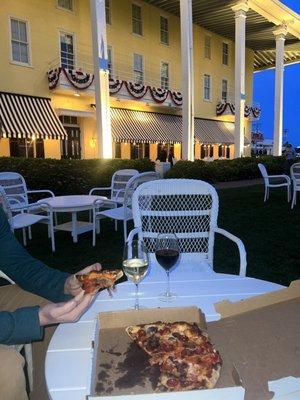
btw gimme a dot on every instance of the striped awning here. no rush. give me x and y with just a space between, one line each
24 116
141 126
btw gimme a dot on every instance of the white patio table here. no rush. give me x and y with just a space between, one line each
72 204
69 356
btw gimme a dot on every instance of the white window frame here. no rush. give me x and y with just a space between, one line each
12 61
224 80
109 47
74 45
141 20
108 20
161 77
66 9
143 68
207 47
210 87
160 30
223 53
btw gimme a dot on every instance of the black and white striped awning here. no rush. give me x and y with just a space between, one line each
24 116
151 127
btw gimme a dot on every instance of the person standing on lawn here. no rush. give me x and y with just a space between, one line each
24 313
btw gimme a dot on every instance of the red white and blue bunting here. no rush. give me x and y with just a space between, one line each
81 81
252 112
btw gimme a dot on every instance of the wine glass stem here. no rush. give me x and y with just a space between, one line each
168 293
136 304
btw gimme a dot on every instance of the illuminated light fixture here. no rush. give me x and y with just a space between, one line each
33 138
76 94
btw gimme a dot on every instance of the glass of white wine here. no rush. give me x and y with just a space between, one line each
135 265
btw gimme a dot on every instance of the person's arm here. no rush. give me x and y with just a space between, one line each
29 273
21 326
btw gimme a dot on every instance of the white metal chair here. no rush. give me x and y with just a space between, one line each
186 207
24 219
284 180
295 176
123 212
27 347
118 184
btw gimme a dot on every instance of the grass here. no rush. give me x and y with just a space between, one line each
270 232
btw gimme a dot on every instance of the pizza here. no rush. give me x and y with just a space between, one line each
96 280
184 353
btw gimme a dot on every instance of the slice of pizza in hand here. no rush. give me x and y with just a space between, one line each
96 280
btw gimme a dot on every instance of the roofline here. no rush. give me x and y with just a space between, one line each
273 66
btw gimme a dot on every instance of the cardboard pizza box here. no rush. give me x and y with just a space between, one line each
258 339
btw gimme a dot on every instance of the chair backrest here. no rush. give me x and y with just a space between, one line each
4 203
186 207
15 187
263 172
119 181
295 173
135 182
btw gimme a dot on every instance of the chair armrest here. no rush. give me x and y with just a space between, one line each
42 191
132 233
286 177
240 245
101 202
100 189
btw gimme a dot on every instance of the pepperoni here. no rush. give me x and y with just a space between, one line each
165 331
141 333
172 382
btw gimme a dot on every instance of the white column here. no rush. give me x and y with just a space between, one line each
101 78
278 101
186 23
239 95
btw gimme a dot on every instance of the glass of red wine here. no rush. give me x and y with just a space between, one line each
167 254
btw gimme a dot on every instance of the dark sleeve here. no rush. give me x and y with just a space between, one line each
21 326
28 272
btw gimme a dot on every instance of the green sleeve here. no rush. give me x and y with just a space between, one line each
28 272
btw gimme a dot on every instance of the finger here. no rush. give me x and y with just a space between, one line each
93 267
76 313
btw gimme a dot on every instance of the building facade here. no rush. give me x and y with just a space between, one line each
47 52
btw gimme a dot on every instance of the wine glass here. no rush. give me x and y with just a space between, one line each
167 254
135 265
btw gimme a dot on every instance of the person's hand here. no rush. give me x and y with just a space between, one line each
70 311
72 285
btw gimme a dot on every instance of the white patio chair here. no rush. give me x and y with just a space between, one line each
123 212
284 180
295 176
186 207
24 219
118 183
27 347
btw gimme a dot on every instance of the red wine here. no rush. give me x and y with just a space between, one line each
167 258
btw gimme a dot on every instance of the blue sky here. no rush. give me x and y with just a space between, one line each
264 94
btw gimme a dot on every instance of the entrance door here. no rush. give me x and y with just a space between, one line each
70 147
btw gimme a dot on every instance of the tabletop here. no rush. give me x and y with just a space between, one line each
71 201
69 356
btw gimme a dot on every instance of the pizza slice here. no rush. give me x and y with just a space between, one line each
96 280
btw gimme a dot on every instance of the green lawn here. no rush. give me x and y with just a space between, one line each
270 232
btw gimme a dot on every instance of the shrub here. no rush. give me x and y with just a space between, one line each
226 170
69 176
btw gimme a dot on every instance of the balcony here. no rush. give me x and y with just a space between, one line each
124 84
227 107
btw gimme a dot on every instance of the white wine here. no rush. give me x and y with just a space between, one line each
135 269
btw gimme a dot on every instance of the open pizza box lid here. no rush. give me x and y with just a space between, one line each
258 340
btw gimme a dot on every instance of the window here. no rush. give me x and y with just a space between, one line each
66 4
207 87
138 68
117 150
137 25
19 41
67 56
164 75
224 151
225 51
224 90
207 47
207 150
108 11
164 30
110 63
26 148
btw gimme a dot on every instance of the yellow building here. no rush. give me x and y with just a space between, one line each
46 52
